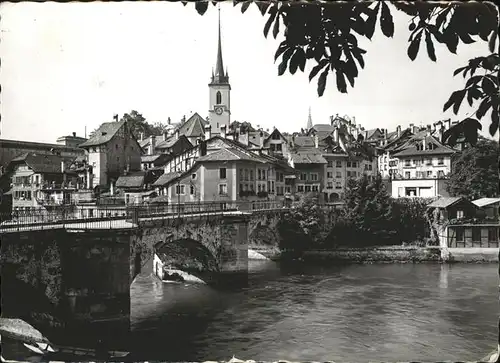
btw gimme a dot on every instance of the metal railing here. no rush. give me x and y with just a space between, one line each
109 217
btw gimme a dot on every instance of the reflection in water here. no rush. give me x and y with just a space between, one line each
296 312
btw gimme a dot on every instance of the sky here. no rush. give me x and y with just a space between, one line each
68 67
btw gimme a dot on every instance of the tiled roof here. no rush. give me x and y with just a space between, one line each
193 126
483 202
165 144
144 143
371 133
40 163
104 134
308 158
323 128
166 178
445 202
303 141
149 158
229 154
410 148
130 181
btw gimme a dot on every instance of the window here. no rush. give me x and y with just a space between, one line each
222 173
370 167
275 136
329 185
476 234
259 174
303 176
338 185
440 161
354 164
259 187
348 164
338 175
242 174
429 174
193 176
440 174
278 147
460 213
314 176
281 177
242 187
407 162
338 164
428 162
300 188
263 175
315 188
330 164
329 174
492 234
417 162
288 189
180 189
218 98
252 187
308 188
251 174
191 189
222 189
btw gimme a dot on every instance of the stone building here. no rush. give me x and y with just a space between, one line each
112 151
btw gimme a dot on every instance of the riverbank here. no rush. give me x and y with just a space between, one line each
390 254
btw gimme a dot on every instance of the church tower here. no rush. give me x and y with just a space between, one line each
220 93
309 120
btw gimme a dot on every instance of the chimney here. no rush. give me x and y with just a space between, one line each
169 121
398 130
208 132
331 120
177 134
447 124
429 129
152 144
165 136
354 120
223 131
63 166
141 135
336 134
316 141
440 132
293 140
424 142
74 134
261 139
111 188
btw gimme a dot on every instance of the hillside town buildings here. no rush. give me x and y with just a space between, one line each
215 159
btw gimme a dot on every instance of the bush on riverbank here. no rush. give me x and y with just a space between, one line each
369 218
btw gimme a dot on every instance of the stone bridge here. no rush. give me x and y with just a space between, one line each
78 277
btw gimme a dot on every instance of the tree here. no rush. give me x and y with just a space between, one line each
475 171
327 34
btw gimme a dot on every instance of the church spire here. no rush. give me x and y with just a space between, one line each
309 120
219 76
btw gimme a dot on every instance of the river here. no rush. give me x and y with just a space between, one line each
379 312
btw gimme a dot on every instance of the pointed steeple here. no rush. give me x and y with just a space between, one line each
309 120
219 76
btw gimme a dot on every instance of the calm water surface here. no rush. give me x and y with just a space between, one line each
425 312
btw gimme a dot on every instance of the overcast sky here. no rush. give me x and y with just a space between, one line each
74 65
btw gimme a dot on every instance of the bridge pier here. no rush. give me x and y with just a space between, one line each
68 284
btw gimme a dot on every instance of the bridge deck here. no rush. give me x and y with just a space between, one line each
105 223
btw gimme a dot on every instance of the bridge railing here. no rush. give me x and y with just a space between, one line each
99 216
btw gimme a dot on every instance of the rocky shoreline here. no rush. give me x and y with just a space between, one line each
385 254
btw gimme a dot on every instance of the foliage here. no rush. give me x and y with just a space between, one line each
480 89
138 125
475 171
301 226
327 34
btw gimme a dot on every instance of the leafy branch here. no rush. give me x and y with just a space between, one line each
481 89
